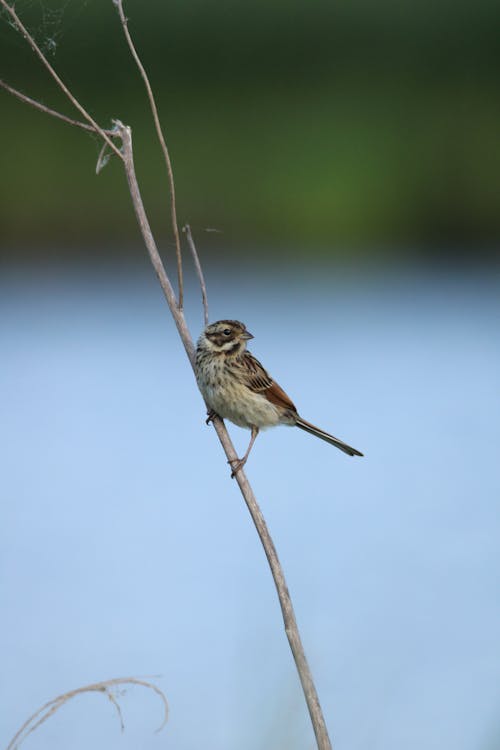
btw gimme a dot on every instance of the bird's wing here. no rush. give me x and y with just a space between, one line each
250 372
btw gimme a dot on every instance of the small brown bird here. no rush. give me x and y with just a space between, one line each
235 386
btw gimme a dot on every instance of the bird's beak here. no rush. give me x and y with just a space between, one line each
246 335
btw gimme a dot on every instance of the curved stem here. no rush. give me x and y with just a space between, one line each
106 687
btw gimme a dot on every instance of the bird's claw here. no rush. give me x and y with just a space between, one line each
211 416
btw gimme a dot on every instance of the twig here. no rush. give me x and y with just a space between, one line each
52 112
36 49
49 709
199 271
161 138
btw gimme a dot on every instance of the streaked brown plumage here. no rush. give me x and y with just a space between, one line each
236 386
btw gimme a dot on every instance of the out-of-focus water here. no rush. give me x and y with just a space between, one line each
127 550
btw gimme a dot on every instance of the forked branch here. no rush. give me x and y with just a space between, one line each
11 11
126 155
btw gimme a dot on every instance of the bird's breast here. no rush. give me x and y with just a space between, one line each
230 398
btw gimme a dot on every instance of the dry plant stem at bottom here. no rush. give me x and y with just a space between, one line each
106 687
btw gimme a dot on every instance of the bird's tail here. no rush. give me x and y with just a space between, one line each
308 427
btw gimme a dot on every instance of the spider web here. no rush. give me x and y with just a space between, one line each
47 20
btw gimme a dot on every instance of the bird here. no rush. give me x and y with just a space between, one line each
237 387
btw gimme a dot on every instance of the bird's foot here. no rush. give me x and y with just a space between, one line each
236 464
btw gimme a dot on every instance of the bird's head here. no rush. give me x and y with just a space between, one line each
225 336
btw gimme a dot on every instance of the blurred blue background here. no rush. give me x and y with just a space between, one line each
348 157
126 548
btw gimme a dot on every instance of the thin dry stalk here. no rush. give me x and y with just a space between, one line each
106 687
290 623
289 619
52 112
161 138
199 271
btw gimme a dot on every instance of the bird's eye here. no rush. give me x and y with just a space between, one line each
226 331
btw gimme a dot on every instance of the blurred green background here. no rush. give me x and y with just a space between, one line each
344 128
